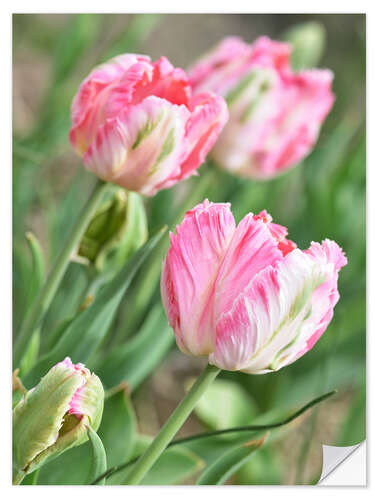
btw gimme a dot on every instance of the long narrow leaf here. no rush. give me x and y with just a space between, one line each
88 329
226 465
132 362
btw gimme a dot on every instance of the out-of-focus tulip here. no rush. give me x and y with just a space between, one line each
53 416
246 296
116 231
275 115
136 123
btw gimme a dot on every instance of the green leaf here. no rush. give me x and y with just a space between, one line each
31 479
31 355
353 428
38 272
173 466
98 457
226 404
84 334
227 464
138 30
263 469
69 468
118 427
136 359
79 35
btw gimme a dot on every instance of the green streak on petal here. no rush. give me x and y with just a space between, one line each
242 85
144 132
299 303
302 298
263 89
166 149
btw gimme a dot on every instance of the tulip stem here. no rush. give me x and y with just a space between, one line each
172 425
47 292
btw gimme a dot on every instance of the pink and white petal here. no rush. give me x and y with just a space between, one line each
87 106
85 399
193 261
166 82
253 107
272 53
209 72
323 301
306 101
252 249
209 114
140 149
278 303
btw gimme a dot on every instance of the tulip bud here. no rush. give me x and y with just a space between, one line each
54 416
115 232
308 41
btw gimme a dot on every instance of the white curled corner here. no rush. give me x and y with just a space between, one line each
344 465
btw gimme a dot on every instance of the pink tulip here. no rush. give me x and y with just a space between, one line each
246 296
275 115
136 123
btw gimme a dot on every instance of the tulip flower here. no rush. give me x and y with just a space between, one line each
246 297
275 114
54 416
137 125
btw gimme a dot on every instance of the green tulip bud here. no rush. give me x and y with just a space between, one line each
54 416
308 42
115 232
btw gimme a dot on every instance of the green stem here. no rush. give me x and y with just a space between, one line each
47 292
172 425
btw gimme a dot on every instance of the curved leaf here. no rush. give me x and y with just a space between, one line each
98 457
173 466
118 427
136 359
227 464
225 404
30 357
37 265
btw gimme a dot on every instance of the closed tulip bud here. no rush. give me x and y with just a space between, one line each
116 231
308 41
275 114
137 125
246 297
54 416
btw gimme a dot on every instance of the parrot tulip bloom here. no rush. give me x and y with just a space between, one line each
54 416
137 125
246 296
275 115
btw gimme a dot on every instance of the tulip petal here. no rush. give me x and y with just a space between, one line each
140 149
252 249
208 117
189 273
89 104
281 313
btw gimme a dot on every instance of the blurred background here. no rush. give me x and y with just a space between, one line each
323 197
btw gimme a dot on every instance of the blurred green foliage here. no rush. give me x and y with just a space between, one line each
322 198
